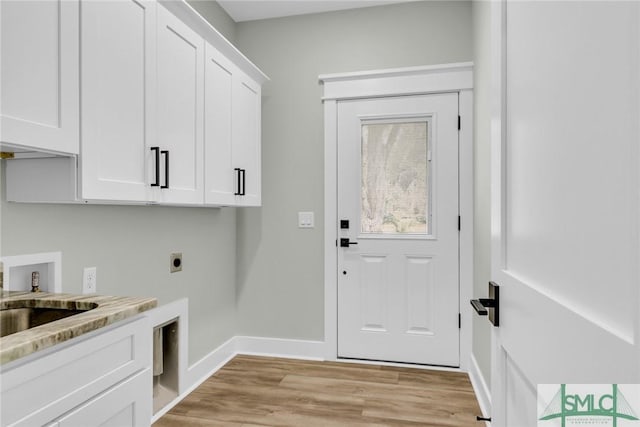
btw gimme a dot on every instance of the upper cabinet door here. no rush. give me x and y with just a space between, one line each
218 86
246 139
180 110
118 103
39 86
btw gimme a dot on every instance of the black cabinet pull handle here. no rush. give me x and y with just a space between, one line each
239 183
166 168
244 181
156 150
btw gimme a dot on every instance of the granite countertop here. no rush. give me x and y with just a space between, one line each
104 310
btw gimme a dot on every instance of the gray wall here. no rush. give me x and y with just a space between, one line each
280 267
130 246
482 178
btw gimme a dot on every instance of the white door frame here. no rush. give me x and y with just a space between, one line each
456 78
498 140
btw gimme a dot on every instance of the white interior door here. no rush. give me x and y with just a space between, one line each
398 190
564 202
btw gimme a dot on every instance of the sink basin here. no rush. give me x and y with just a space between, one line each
17 318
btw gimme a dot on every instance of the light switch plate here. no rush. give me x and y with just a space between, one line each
305 220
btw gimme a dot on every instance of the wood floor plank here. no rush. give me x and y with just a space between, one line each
252 391
337 370
446 414
419 394
170 420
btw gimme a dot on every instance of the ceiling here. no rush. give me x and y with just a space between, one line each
251 10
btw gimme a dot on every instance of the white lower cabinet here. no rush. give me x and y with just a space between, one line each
103 379
119 406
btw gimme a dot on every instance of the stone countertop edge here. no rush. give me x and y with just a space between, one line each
109 310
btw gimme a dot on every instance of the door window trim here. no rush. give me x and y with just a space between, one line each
383 119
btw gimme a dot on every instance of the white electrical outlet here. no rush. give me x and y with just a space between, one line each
89 281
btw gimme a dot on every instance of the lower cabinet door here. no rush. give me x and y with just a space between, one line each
127 404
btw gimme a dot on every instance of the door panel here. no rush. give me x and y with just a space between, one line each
180 109
564 200
40 63
118 107
373 293
521 395
419 290
219 183
246 138
398 188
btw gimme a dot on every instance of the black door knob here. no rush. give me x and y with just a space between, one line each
344 242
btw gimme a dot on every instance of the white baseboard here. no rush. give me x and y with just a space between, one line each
210 364
279 347
481 388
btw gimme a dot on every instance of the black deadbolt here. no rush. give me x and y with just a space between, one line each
177 262
344 223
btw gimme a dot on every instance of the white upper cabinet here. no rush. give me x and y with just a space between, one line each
232 134
180 110
118 99
40 79
219 174
246 140
160 118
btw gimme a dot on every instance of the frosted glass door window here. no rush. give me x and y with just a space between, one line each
395 195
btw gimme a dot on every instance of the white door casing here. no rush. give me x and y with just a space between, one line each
389 83
565 209
398 280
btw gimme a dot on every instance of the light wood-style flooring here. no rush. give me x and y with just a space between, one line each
254 391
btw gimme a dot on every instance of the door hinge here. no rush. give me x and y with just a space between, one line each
336 243
459 122
459 321
459 223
